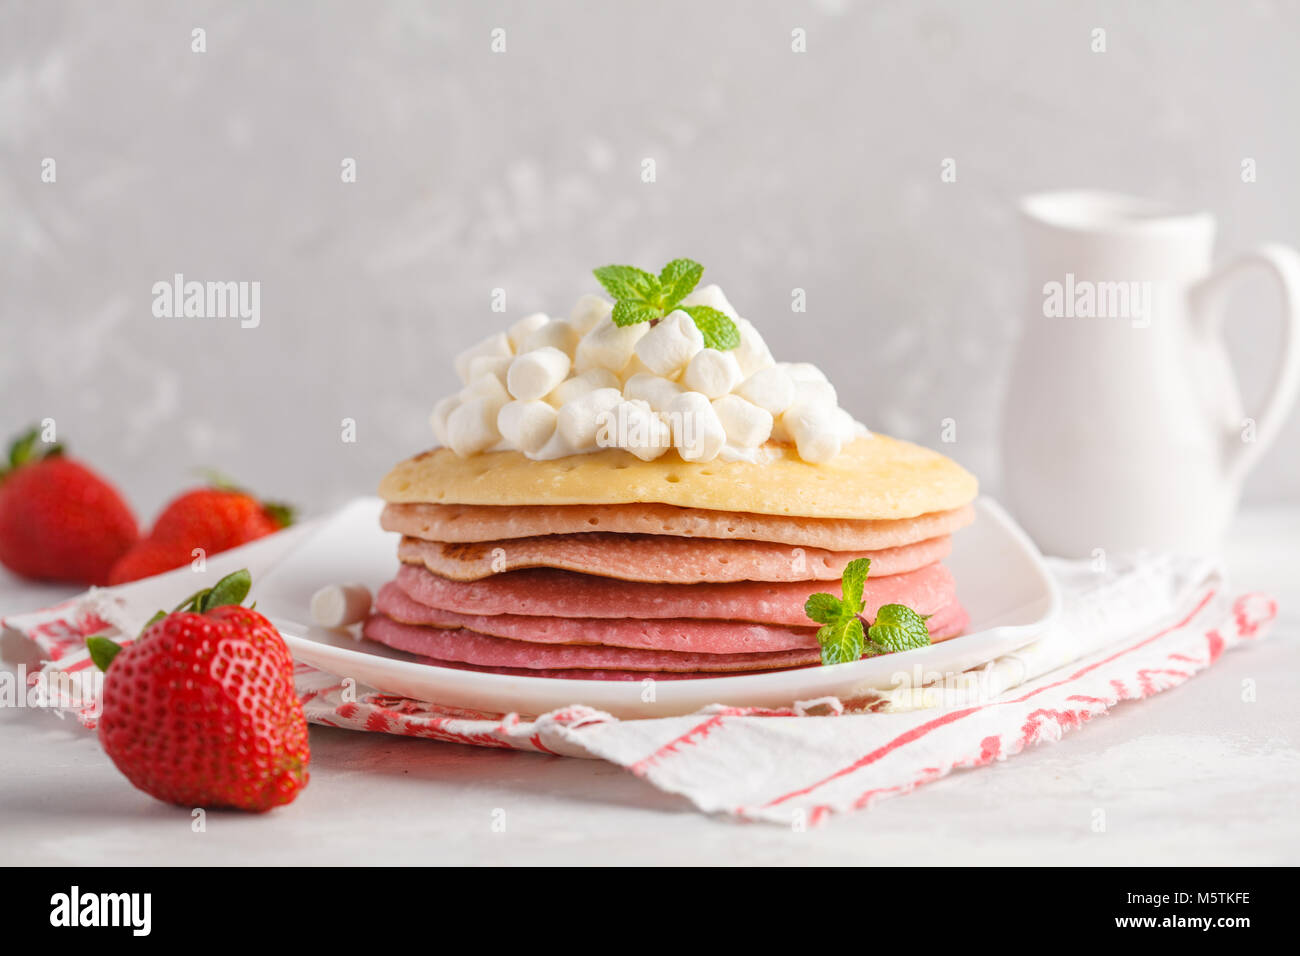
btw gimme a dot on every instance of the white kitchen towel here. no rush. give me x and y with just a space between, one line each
1128 630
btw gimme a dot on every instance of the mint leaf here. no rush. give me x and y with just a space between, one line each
841 642
719 331
628 282
631 311
676 281
898 628
853 582
823 608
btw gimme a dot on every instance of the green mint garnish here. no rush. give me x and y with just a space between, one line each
643 297
842 636
717 328
898 628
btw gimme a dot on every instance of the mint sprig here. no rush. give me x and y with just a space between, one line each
643 297
842 636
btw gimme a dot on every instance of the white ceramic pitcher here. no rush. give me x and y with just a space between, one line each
1123 427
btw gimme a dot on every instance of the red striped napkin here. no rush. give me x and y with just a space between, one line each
1136 629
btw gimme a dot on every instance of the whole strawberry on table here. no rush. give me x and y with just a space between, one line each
210 520
200 710
59 521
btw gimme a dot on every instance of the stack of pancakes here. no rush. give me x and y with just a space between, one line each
606 567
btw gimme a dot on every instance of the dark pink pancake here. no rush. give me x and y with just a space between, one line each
470 647
670 634
575 674
547 592
572 673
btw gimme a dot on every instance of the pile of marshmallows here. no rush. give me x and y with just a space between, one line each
551 388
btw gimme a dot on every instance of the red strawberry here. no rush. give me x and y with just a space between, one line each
213 519
200 709
149 557
59 521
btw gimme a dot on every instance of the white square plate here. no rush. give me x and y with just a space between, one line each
1001 580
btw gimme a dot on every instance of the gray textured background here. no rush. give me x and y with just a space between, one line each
776 170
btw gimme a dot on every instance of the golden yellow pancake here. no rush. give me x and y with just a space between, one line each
872 478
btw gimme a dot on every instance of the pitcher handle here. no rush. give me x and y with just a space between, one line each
1208 298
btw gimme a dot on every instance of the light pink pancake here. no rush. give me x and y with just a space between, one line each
470 647
660 558
671 634
490 523
550 593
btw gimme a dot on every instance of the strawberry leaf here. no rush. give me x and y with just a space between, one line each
279 512
192 603
25 449
232 589
102 651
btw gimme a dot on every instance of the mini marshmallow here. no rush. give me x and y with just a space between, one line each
654 390
588 312
489 387
805 372
752 354
537 373
711 296
634 366
746 425
338 605
770 388
557 447
697 433
815 431
525 327
497 346
608 346
438 417
846 425
558 335
472 427
712 373
577 422
579 385
634 427
493 366
673 342
815 393
526 425
601 378
780 433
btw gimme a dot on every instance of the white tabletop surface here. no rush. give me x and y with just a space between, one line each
1196 775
